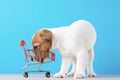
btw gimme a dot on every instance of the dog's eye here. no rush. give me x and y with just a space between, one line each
35 47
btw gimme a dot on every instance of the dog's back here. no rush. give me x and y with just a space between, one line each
80 33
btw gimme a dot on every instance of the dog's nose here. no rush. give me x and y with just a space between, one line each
35 47
42 60
31 59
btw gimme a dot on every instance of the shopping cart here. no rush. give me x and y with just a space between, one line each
29 60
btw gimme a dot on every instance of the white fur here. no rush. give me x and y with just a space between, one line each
76 45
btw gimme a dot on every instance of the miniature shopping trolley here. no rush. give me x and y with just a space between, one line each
29 60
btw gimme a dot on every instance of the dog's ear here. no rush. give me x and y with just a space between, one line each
46 34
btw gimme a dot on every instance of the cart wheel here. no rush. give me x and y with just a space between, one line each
25 74
47 74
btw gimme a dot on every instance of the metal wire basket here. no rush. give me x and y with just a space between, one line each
29 60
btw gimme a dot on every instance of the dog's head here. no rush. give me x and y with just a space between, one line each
42 42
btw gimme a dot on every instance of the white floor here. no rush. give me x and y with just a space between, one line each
41 77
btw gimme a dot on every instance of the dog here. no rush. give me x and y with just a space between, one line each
75 43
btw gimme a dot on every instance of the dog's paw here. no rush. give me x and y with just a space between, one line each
70 74
59 75
79 76
92 75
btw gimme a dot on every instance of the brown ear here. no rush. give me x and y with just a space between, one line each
46 34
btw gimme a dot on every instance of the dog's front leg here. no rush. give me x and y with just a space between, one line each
72 72
66 61
81 64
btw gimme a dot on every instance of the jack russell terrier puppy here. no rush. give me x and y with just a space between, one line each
75 43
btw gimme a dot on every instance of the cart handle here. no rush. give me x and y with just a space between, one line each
22 43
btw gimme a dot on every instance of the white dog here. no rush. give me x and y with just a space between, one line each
76 45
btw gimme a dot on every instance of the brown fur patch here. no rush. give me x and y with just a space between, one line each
42 41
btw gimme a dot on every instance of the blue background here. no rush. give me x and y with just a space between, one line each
20 19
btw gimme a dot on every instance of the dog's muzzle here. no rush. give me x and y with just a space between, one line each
40 56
